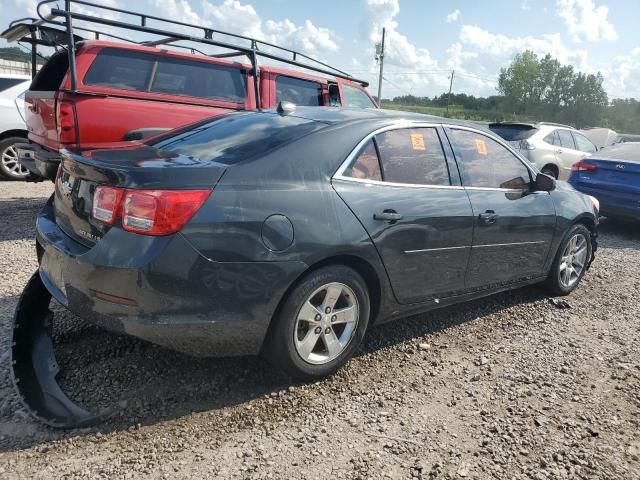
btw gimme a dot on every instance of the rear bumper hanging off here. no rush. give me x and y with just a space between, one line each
34 367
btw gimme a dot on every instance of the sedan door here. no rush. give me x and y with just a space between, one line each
513 225
398 184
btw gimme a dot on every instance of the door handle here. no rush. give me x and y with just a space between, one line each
388 216
489 217
559 150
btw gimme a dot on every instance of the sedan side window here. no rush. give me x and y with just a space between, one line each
366 165
486 163
566 140
413 156
552 138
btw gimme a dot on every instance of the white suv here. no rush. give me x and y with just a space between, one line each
12 127
552 147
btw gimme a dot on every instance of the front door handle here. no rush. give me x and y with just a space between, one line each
387 216
559 150
488 218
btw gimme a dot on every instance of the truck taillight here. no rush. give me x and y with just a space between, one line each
149 212
66 117
583 166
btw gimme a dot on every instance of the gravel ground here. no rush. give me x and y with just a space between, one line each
512 386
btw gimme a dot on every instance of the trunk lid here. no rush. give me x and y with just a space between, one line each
141 167
617 170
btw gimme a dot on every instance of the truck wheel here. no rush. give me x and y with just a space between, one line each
571 261
321 323
9 165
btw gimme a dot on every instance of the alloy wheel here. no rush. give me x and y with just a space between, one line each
325 323
11 163
573 260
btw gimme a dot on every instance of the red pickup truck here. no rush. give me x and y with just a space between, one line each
129 92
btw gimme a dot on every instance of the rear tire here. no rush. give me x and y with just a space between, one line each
570 264
9 166
320 324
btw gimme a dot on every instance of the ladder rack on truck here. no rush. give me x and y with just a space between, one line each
44 32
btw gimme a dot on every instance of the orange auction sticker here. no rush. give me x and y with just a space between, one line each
417 142
481 147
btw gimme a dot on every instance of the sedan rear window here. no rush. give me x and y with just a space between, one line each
235 137
513 133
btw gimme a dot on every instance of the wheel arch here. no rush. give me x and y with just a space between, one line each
13 133
587 220
363 267
551 166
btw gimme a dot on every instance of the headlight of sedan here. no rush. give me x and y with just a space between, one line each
596 204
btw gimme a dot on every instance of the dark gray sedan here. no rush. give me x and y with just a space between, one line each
289 234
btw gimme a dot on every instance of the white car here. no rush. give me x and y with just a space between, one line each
12 127
552 147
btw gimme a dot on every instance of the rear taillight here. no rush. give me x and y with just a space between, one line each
66 117
583 166
106 204
150 212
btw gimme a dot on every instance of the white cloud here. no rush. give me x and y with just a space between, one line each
407 67
453 16
30 6
503 47
236 17
585 21
525 5
622 75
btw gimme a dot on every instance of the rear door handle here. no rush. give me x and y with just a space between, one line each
559 150
489 217
388 216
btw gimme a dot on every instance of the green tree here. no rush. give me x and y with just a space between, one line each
547 90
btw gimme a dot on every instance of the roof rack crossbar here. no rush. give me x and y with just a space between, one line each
207 37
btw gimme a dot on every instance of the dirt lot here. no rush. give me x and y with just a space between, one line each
512 386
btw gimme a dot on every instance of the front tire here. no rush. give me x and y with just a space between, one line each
321 323
10 167
571 261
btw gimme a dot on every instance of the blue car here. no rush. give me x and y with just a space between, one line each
612 175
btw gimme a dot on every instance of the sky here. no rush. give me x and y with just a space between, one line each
425 40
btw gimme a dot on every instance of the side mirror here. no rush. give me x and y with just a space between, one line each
545 183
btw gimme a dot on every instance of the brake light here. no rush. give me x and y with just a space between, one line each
583 166
66 117
149 212
106 204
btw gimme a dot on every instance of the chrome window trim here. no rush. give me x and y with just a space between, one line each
339 174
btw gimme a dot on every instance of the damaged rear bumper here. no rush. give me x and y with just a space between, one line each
156 288
34 366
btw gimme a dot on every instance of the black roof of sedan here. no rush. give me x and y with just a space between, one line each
333 115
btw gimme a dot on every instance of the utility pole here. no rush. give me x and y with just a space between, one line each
380 57
450 87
